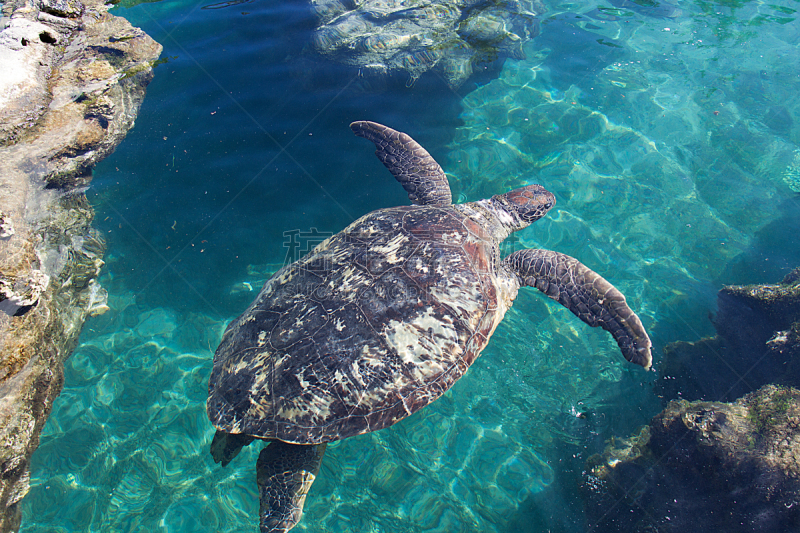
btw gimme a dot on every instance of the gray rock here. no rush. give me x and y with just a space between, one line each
385 38
63 8
19 294
65 104
6 226
27 62
792 277
703 466
757 342
490 29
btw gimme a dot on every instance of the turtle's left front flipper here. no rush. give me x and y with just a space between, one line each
584 292
285 473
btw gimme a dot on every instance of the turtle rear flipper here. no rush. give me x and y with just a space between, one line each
285 473
584 292
225 446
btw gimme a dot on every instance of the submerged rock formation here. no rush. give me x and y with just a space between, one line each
72 80
704 466
709 465
757 342
389 38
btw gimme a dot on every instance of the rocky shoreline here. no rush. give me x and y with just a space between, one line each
704 466
730 459
73 79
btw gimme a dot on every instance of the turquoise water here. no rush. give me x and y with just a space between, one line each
671 144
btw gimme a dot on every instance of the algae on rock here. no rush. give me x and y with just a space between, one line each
757 342
704 466
707 465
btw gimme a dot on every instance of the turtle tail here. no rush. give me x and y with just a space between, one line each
285 473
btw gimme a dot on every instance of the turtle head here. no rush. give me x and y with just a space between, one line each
528 204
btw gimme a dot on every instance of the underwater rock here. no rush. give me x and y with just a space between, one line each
18 295
757 342
792 175
97 299
73 79
390 38
703 466
778 119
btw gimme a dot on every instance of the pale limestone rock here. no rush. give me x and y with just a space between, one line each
65 104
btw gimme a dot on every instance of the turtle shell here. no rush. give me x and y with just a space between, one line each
374 324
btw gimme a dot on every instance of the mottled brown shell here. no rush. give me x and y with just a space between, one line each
374 324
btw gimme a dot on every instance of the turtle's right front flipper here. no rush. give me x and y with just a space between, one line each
285 473
584 292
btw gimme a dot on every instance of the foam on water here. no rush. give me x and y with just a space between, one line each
670 144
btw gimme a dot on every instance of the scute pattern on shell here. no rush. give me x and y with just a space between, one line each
374 324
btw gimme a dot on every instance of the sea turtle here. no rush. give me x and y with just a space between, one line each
382 318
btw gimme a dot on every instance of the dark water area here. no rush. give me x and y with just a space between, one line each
668 134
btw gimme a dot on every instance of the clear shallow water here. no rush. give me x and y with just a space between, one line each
670 144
